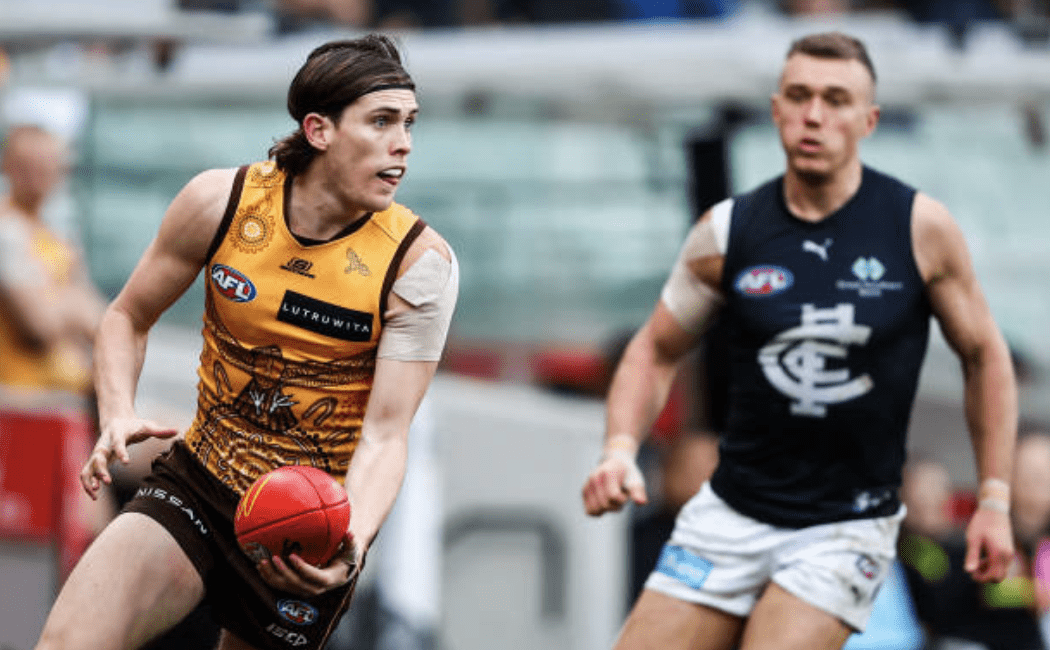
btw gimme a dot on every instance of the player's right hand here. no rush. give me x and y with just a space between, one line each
113 441
615 480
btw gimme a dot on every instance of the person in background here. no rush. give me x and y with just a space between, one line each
954 609
1031 516
49 307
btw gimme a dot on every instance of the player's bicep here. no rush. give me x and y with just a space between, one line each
955 294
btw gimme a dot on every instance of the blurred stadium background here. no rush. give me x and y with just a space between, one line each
563 150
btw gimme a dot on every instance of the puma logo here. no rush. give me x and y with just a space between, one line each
817 249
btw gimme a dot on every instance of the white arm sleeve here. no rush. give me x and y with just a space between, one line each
418 332
689 299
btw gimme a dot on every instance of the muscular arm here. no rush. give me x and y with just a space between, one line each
645 373
165 271
378 467
990 391
420 308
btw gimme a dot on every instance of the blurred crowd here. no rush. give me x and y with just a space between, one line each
1029 16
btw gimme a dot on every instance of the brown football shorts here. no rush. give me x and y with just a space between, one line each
197 509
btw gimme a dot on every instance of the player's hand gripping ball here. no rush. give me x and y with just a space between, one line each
293 509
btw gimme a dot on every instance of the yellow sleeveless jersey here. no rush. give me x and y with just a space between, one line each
290 334
27 365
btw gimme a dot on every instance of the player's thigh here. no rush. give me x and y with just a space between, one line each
662 622
781 621
132 583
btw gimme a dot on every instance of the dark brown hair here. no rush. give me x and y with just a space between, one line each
334 76
833 45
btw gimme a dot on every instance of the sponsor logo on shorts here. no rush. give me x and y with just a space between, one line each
299 265
325 318
297 612
684 566
173 500
764 280
868 567
293 639
232 284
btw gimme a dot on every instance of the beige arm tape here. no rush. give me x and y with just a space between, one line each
689 299
417 332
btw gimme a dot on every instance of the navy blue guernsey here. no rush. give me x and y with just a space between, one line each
828 325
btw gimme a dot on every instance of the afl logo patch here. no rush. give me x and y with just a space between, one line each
297 612
763 280
232 284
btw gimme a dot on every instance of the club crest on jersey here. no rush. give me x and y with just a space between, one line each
796 361
297 612
232 284
764 280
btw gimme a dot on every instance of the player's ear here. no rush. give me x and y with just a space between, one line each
874 112
318 130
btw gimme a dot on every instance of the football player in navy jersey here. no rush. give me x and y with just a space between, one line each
826 278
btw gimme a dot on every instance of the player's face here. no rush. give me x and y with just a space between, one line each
823 109
367 153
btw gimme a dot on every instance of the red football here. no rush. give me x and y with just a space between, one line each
293 509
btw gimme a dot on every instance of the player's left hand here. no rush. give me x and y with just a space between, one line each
989 545
295 575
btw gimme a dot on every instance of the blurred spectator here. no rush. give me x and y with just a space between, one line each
958 12
815 8
1031 489
553 11
407 14
1031 516
49 308
927 491
297 15
685 9
955 610
686 461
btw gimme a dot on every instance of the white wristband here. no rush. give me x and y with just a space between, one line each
998 505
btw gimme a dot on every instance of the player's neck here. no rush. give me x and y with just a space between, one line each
812 197
316 213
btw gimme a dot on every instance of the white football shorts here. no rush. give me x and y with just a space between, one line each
722 559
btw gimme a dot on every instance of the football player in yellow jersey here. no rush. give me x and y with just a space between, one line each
326 313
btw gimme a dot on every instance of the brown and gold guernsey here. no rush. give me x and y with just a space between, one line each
25 364
290 334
